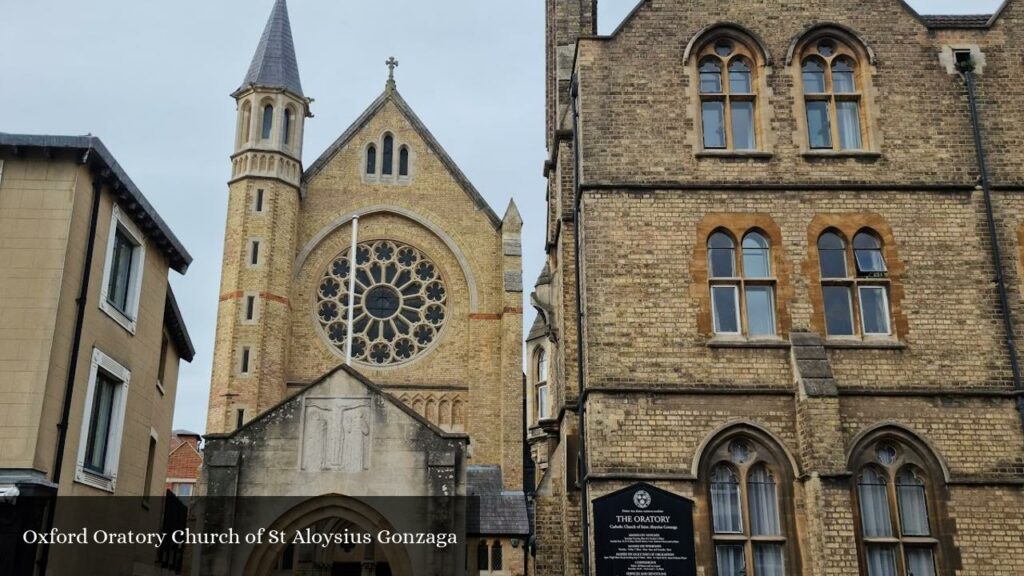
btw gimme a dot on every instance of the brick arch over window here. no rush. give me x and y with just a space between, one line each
737 225
747 474
848 225
896 471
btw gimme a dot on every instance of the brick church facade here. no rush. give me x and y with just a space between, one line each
784 280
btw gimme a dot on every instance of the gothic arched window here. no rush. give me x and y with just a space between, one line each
897 482
403 161
268 121
833 86
246 122
726 67
371 160
388 155
542 394
747 496
749 276
286 132
870 283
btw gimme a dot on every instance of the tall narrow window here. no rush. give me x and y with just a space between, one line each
403 161
482 557
750 277
496 556
120 281
244 364
895 511
250 308
286 133
257 205
100 419
254 253
542 384
388 155
728 95
268 121
870 284
748 534
832 95
239 418
147 488
246 123
371 160
102 423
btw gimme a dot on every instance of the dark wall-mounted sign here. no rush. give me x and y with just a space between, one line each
644 531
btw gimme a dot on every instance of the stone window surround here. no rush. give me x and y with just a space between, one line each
259 205
129 318
111 368
539 381
737 225
240 354
769 452
260 249
848 225
378 177
911 450
243 308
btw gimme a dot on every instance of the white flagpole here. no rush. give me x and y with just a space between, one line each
351 289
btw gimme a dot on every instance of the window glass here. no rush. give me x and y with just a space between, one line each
755 256
764 507
874 309
848 118
542 401
910 495
814 76
838 312
739 77
403 162
98 439
371 159
882 561
721 256
874 504
121 270
743 137
710 77
730 559
867 250
768 560
726 309
819 127
542 365
388 154
713 116
832 256
287 132
920 562
268 121
184 489
481 556
760 311
725 502
843 81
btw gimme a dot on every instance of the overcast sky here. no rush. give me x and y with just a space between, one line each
151 79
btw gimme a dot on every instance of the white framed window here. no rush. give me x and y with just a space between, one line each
122 273
725 307
250 309
99 446
874 311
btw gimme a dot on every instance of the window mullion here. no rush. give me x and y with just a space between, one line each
748 548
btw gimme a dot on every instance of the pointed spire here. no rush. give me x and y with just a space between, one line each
512 221
274 65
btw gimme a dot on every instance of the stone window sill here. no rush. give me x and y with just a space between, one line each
863 154
741 154
762 343
881 344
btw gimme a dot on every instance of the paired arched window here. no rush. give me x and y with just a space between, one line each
830 70
286 133
869 281
403 161
747 493
268 121
371 159
728 94
750 277
542 396
896 497
388 155
492 562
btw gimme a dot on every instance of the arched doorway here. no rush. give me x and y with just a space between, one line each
357 554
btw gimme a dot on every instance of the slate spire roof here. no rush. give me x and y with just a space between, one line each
274 65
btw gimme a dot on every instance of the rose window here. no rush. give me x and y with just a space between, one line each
400 303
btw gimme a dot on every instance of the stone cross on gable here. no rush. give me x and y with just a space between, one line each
391 64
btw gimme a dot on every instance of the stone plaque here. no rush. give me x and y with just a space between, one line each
644 531
336 434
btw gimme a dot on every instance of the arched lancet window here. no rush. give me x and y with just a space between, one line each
832 94
371 160
728 94
496 556
268 121
286 133
870 283
246 122
403 161
482 556
747 497
896 486
388 155
542 399
754 314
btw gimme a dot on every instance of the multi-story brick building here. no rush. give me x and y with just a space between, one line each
798 285
90 342
184 463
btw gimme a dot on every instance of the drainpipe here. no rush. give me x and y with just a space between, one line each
76 344
966 67
583 474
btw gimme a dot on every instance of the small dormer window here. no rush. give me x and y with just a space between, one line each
268 121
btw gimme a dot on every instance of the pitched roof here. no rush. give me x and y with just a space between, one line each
175 325
391 94
131 199
494 511
956 20
274 64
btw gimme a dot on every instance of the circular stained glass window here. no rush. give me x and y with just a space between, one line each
400 303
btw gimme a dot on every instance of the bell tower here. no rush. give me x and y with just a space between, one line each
259 238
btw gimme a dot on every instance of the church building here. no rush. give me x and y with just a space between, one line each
783 290
369 338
